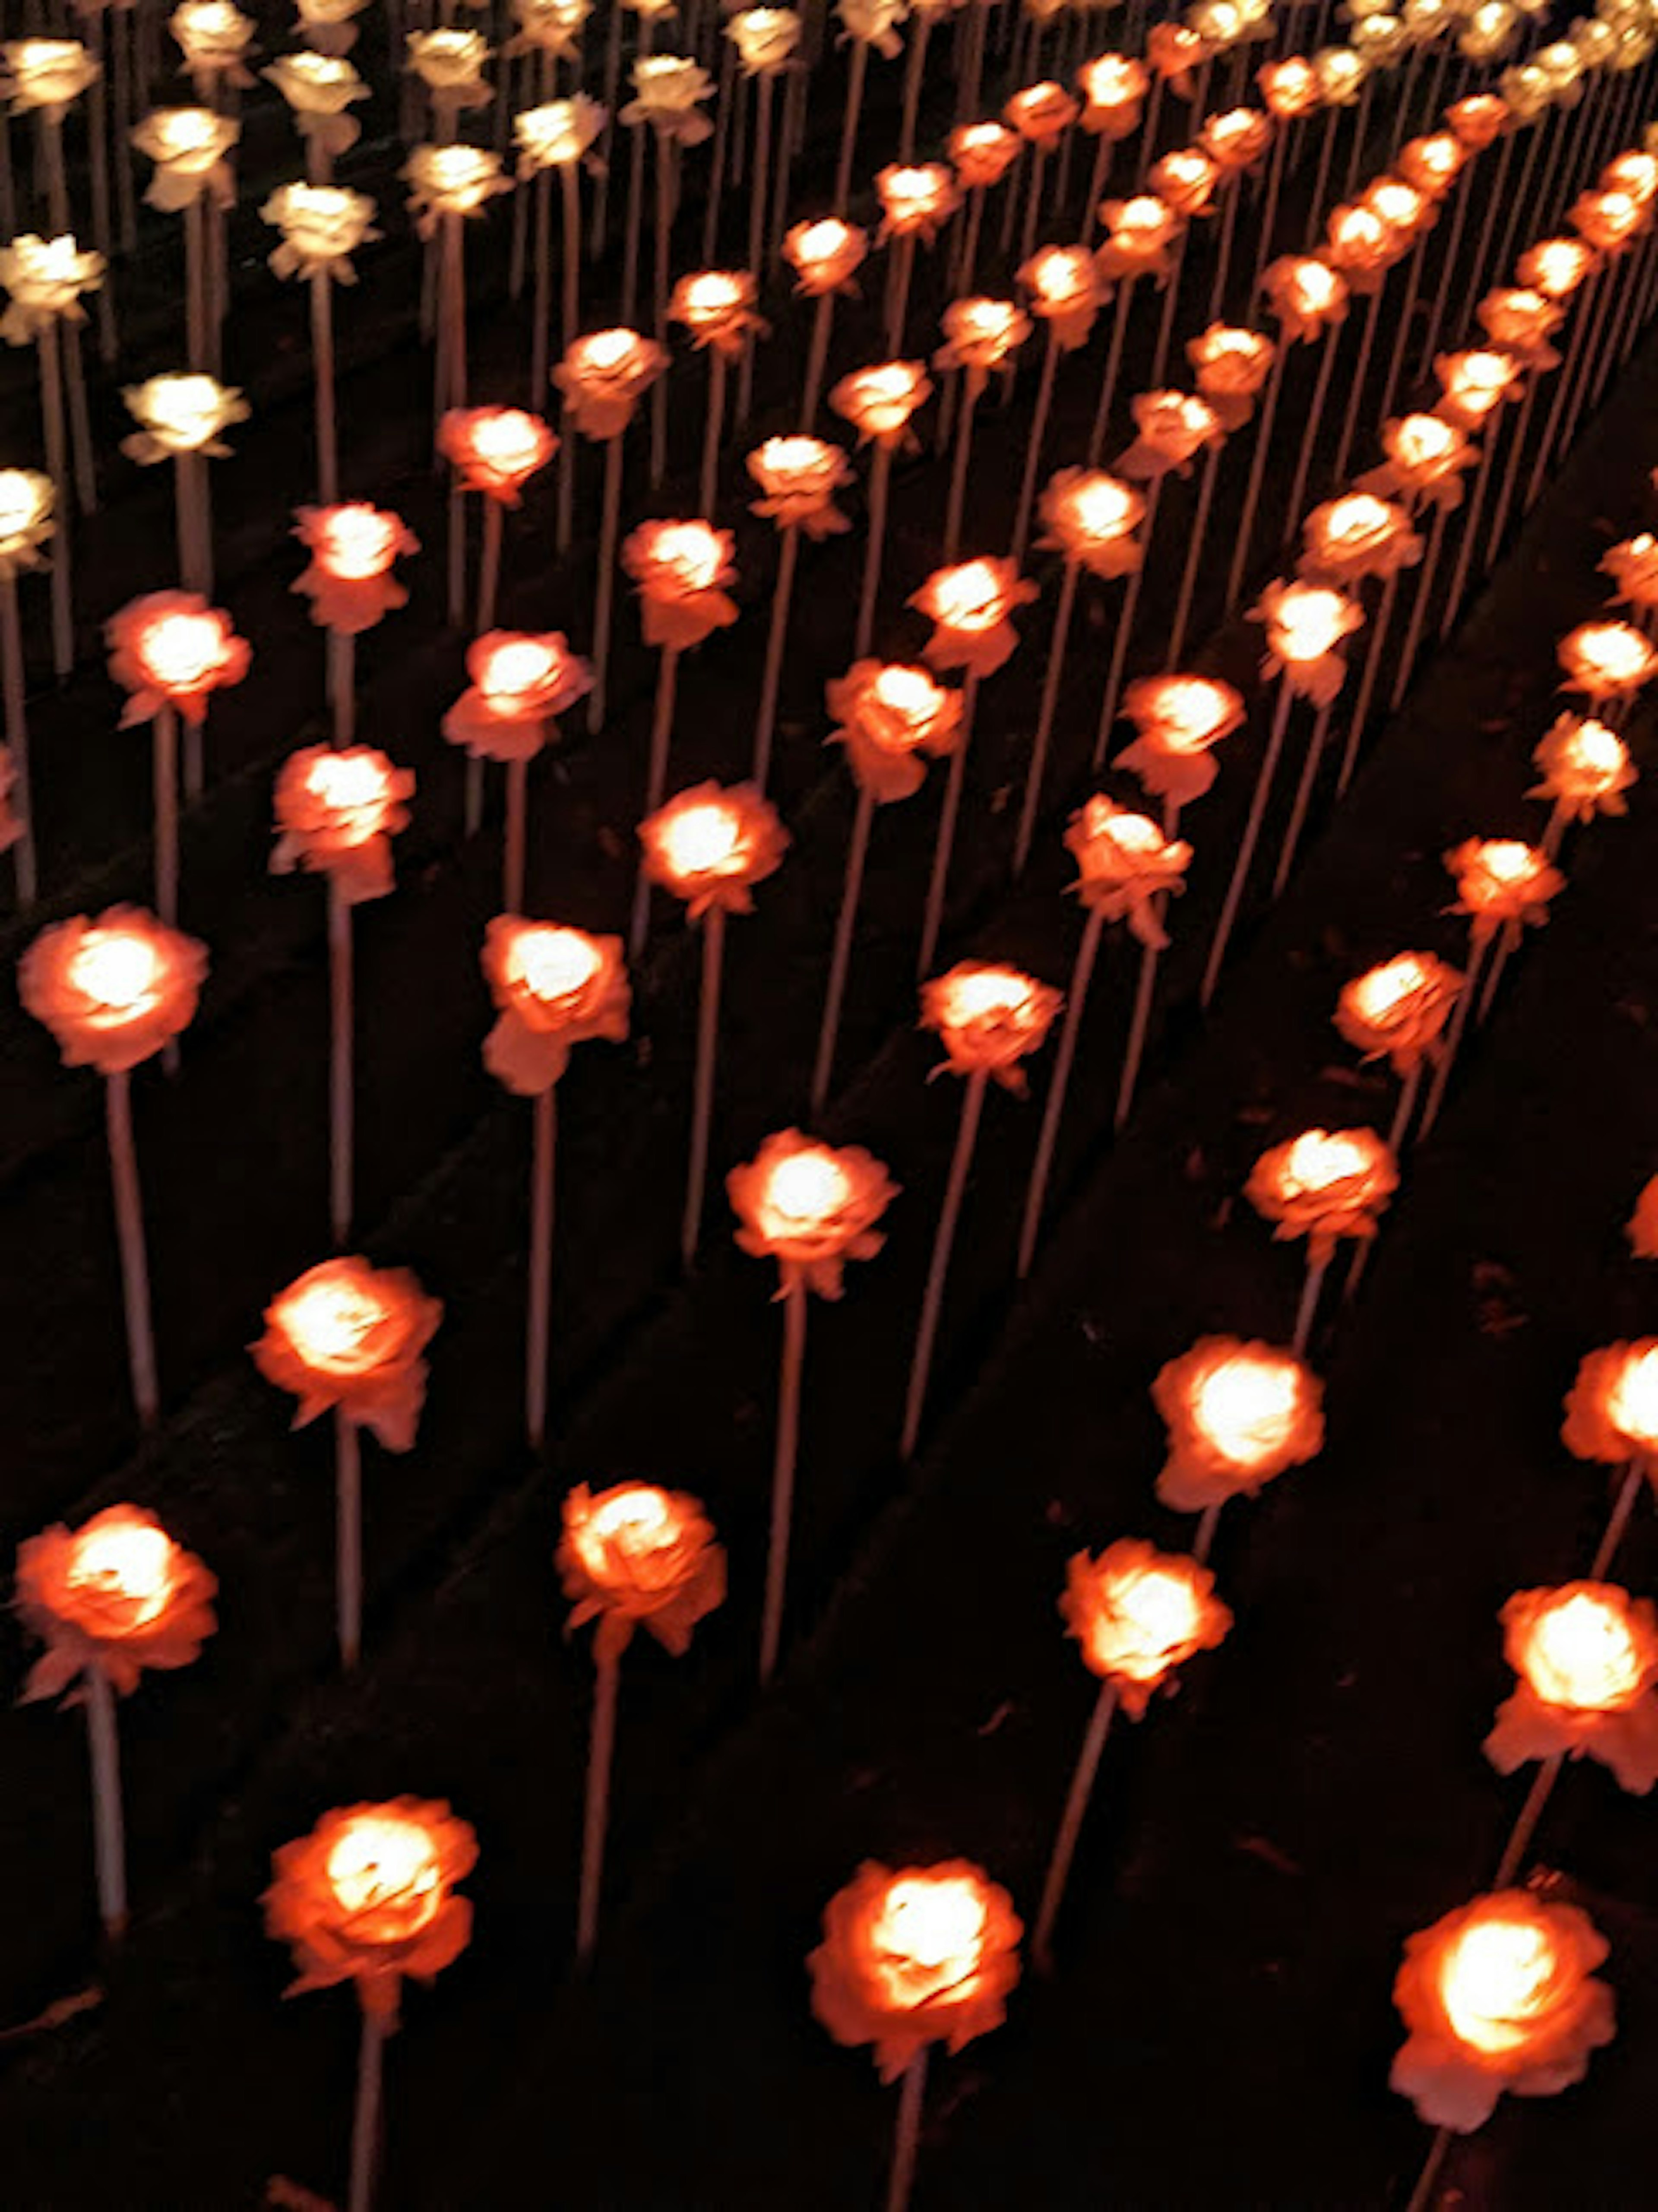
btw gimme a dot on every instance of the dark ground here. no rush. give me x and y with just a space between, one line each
1220 2030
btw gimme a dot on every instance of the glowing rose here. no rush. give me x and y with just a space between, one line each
1478 120
635 1556
1113 88
180 415
799 477
887 714
1521 322
1608 221
604 376
1140 233
873 23
1231 366
982 154
1408 213
1289 87
348 579
1488 31
1125 866
970 605
322 227
981 335
926 1954
1139 1614
1432 163
1362 246
1586 768
1498 1995
450 181
880 402
117 1593
496 450
825 255
554 989
26 520
349 1335
1635 172
172 649
369 1896
1556 268
1306 625
765 38
1066 291
319 87
450 63
557 133
1307 295
113 990
1426 458
1399 1008
1500 880
1185 180
716 306
1091 519
1587 1658
213 38
1237 140
550 27
1612 1409
521 681
1632 564
1178 722
45 278
1323 1185
336 813
1340 72
1237 1415
1358 535
916 199
1475 383
1379 40
1042 113
989 1017
1606 660
1642 1227
810 1206
46 76
1172 428
668 93
190 146
681 569
710 845
1174 52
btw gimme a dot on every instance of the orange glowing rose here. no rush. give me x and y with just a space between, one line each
1042 113
1139 236
981 335
1498 1995
810 1206
1477 121
1231 366
1178 720
521 682
1174 52
1289 87
1608 221
336 813
1426 458
1587 1658
1642 1227
1606 660
712 844
1399 1008
799 477
1237 140
1185 180
1556 267
112 991
1066 290
1091 519
1521 322
604 376
1113 88
496 450
880 402
1612 1409
1474 384
916 200
554 989
1363 245
681 569
1323 1185
1632 564
888 714
926 1954
1635 171
989 1017
172 649
1172 428
1586 768
349 1335
825 255
635 1556
982 154
369 1896
1139 1614
970 605
1432 163
1358 535
1238 1413
348 580
1409 214
1305 294
1306 624
716 306
1125 866
1499 879
116 1594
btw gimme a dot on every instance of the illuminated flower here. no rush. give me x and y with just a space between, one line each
635 1556
113 990
681 569
926 1954
1379 40
716 306
1178 722
1642 1227
369 1896
1185 180
337 811
825 255
970 605
1067 290
46 277
1432 163
1498 1995
1426 458
1362 244
13 826
1488 31
1091 518
1635 171
1323 1185
1231 366
348 579
1306 624
116 1594
46 76
1340 72
1139 1614
981 335
1633 566
26 523
1113 88
171 648
1478 120
1307 296
452 180
180 415
1475 383
873 23
1606 660
1174 52
322 226
1399 1008
1587 1658
1586 768
319 87
1173 428
450 63
668 90
326 25
1289 87
1237 140
496 450
1608 221
557 133
1126 864
1521 322
800 476
213 38
1500 880
710 845
190 147
550 27
1612 1409
880 402
989 1017
982 154
604 376
765 38
521 680
811 1208
1357 535
1408 213
1140 233
887 714
554 989
1237 1415
915 198
349 1335
1042 113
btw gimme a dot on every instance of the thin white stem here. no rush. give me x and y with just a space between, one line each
880 470
605 586
955 777
1145 992
537 1334
340 1085
1458 1023
785 1456
1531 1812
1052 673
1041 1167
1076 1807
656 786
17 738
1246 853
164 785
109 1838
129 1232
1607 1550
601 1747
834 997
1305 1312
366 2121
707 1042
907 2135
322 354
348 1537
944 1241
776 638
713 430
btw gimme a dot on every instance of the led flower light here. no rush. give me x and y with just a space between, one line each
1478 120
322 226
1178 722
348 579
1231 366
181 414
681 569
710 845
1632 564
336 813
172 649
113 990
1500 880
604 376
810 1206
668 93
496 450
1358 536
825 255
1126 864
873 23
1138 1615
1362 246
1091 518
1340 72
881 402
114 1597
556 133
348 1337
981 337
1606 661
1521 322
450 181
521 681
1499 1995
1140 234
925 1955
1237 1415
1172 428
1237 140
213 38
982 154
766 38
1399 1008
888 715
554 987
1114 87
1488 31
1185 180
1474 384
1586 768
1289 87
1173 52
450 63
1324 1185
44 278
1306 624
46 76
1042 113
989 1017
319 88
1587 1658
1305 294
326 25
916 199
1608 221
26 519
635 1556
190 147
970 606
1427 458
799 477
1611 1408
550 27
1433 162
1066 291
